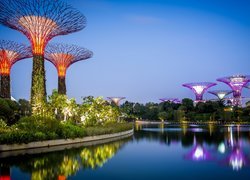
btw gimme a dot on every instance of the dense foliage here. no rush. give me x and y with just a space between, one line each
60 118
202 111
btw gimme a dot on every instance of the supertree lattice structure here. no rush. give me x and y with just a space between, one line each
10 53
171 100
199 88
62 56
116 100
40 21
220 93
236 83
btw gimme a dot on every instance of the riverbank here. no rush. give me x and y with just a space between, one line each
60 144
192 122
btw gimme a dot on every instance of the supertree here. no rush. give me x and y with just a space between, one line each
172 100
62 56
10 53
40 21
199 88
236 83
220 93
116 100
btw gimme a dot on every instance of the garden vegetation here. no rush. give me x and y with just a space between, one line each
61 118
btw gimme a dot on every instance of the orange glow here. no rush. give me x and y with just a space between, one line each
39 29
61 178
7 59
62 62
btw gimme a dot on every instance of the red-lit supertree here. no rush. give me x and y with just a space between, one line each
62 56
40 21
10 53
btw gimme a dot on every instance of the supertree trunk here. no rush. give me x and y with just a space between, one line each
5 86
61 85
38 87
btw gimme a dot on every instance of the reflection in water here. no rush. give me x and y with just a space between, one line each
4 172
201 141
184 144
222 148
97 156
60 165
236 159
198 153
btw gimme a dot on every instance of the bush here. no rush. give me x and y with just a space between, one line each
2 124
35 128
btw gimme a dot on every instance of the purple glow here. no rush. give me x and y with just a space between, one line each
236 83
116 100
237 159
220 93
198 153
171 100
199 88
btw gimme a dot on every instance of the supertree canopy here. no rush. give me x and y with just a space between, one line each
199 88
10 53
236 83
116 100
40 21
172 100
220 93
62 56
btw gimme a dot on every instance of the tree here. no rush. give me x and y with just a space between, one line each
162 115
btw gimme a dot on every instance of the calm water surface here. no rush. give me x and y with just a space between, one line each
155 151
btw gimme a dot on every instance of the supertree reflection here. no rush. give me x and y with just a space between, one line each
198 153
237 159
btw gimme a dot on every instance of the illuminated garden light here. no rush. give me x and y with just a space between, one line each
40 21
199 88
116 100
220 93
10 53
236 83
171 100
62 56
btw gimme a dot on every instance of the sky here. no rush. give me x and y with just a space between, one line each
146 49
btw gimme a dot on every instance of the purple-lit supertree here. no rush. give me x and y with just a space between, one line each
62 56
220 93
116 100
10 53
236 83
40 21
171 100
199 88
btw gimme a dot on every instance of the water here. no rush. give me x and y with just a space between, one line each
155 151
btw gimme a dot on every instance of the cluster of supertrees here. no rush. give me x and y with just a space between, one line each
235 82
40 21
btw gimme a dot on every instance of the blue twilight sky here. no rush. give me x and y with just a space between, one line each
146 49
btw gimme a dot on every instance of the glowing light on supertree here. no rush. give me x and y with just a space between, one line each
199 88
10 53
40 21
116 100
171 100
220 93
62 56
236 83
